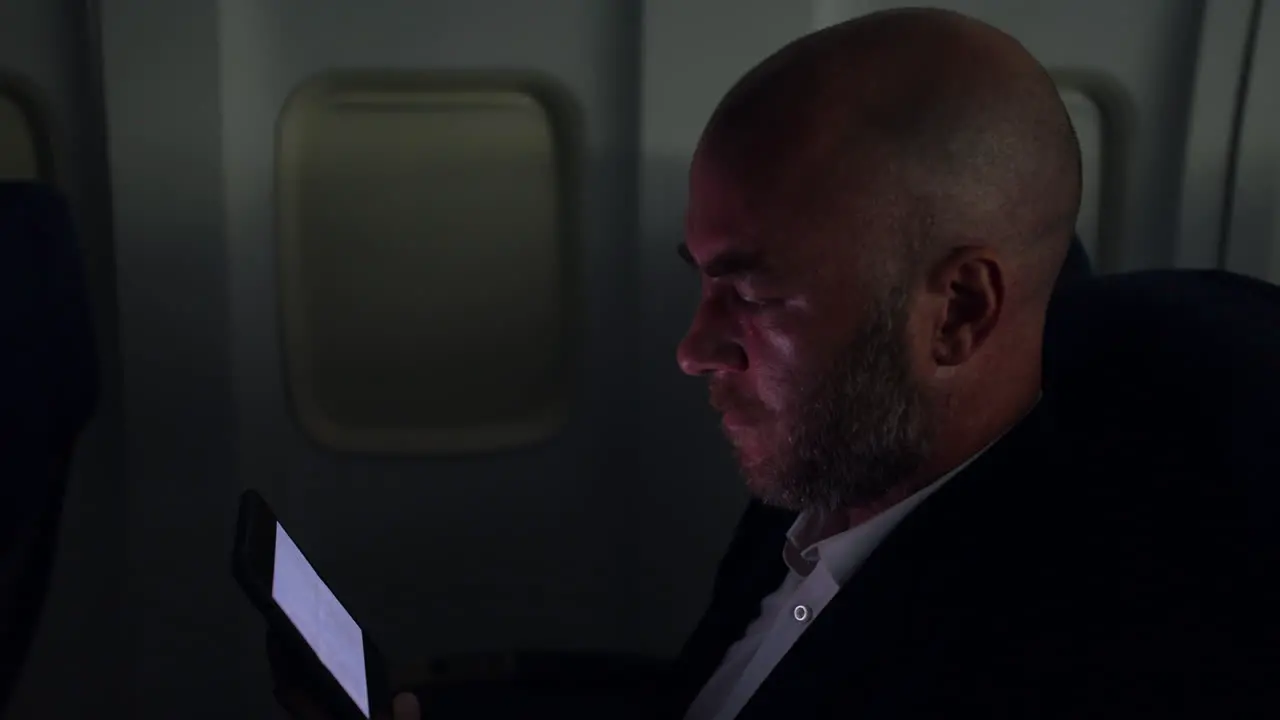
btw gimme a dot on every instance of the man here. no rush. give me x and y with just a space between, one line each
878 213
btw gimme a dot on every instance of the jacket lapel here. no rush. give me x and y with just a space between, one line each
751 569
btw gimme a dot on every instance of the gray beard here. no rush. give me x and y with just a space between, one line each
860 431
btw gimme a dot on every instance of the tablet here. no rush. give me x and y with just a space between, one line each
345 668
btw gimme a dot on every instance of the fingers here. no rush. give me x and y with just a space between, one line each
288 687
290 690
278 660
405 707
299 705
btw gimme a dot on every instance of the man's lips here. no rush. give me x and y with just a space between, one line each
737 413
735 421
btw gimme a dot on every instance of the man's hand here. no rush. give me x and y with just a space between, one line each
292 693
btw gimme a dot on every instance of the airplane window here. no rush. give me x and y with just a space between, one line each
1086 116
423 241
19 158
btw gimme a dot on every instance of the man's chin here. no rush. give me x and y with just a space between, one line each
758 462
765 483
772 493
752 461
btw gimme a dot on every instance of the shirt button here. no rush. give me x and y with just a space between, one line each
801 613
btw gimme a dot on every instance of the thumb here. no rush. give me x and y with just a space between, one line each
405 707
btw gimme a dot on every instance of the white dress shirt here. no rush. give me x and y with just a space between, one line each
817 570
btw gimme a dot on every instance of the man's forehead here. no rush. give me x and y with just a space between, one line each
743 210
717 187
733 196
725 235
719 225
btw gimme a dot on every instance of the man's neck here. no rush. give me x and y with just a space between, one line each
941 465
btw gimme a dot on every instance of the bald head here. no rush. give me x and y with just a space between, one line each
878 213
944 127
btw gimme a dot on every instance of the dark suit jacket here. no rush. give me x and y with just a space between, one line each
1053 577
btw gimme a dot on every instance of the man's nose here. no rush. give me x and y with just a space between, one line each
707 347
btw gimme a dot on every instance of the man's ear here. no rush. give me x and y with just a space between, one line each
969 283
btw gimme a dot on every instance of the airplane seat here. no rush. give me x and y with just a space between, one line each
48 389
1075 267
1168 383
1174 355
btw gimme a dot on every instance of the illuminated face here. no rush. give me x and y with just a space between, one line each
807 363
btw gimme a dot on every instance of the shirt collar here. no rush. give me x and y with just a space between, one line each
841 553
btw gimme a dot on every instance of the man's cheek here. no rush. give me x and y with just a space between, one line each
774 393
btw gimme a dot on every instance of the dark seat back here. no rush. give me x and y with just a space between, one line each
48 386
1168 384
1075 267
1188 355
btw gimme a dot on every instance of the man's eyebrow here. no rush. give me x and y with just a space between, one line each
732 262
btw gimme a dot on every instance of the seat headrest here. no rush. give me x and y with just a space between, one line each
1075 267
48 364
1168 323
1187 359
